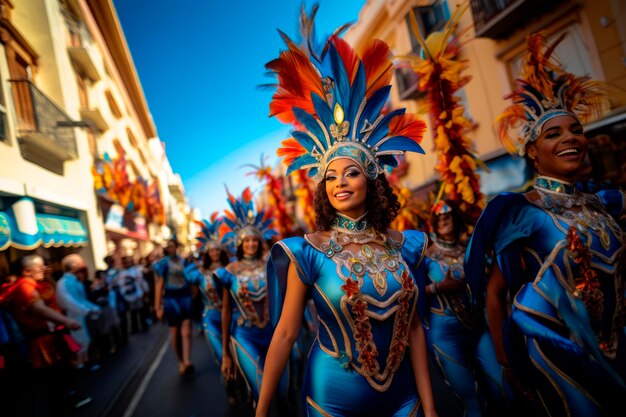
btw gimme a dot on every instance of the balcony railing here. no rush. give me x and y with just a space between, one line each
38 120
498 18
80 46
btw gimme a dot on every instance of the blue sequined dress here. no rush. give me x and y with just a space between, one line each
211 292
251 330
359 363
562 256
177 304
457 337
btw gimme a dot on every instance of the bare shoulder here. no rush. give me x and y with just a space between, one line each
395 235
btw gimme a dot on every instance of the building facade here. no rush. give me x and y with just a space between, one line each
77 167
494 43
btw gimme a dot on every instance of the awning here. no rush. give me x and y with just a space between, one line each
5 231
51 231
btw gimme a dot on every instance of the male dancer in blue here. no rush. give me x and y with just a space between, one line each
172 300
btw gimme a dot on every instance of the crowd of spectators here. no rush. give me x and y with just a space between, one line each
53 329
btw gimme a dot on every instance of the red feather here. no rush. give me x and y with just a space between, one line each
408 125
290 150
378 66
247 195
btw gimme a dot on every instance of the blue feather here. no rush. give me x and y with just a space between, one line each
382 129
309 122
300 162
373 107
357 94
323 111
401 143
342 83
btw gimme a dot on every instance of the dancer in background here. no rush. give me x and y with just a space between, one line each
246 329
213 257
456 333
558 253
172 300
366 280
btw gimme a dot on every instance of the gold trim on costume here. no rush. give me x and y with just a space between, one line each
317 407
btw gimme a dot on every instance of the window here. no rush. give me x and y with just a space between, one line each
115 109
429 19
3 115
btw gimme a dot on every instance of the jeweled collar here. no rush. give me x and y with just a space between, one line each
446 244
554 185
347 224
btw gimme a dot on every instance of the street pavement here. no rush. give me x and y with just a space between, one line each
142 379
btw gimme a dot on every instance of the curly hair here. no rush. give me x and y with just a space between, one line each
207 261
380 201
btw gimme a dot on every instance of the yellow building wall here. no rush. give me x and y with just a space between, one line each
599 21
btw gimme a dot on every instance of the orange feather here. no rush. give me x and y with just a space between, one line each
378 66
290 150
408 125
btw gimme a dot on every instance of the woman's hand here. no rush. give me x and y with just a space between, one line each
227 368
158 311
450 285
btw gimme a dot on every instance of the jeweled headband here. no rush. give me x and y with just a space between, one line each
334 97
209 234
544 91
242 221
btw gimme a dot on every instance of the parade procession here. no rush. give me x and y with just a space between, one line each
313 209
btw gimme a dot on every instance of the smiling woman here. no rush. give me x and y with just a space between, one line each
366 280
558 253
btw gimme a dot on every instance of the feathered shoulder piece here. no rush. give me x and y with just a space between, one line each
242 220
209 234
333 95
545 90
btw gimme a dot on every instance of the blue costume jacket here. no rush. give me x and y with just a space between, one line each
359 364
562 256
211 292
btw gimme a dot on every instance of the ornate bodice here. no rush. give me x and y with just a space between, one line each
568 279
172 273
577 237
247 283
442 257
365 296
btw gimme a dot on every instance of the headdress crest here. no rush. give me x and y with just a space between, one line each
209 234
441 207
242 221
334 96
545 90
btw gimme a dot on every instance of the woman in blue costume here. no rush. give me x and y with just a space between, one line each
366 281
246 328
213 257
558 253
172 300
456 334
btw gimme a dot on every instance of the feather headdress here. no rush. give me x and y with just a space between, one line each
209 234
545 90
334 97
242 221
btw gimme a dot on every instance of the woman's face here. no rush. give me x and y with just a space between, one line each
560 150
171 249
214 254
346 187
445 225
250 245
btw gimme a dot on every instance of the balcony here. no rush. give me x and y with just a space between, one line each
496 19
94 115
38 125
79 47
408 84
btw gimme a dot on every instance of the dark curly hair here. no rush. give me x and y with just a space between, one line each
207 261
380 201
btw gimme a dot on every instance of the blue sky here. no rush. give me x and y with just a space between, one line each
200 63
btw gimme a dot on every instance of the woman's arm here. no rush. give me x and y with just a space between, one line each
497 311
42 310
228 369
283 339
419 361
158 295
